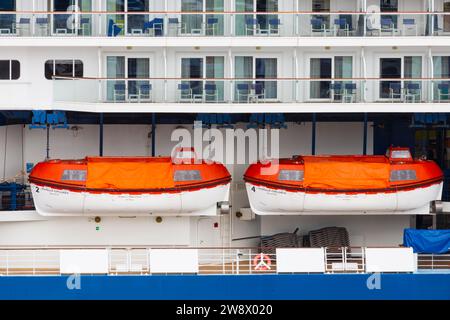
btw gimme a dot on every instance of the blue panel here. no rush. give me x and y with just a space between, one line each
427 241
260 287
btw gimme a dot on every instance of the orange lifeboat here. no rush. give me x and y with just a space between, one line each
135 186
395 183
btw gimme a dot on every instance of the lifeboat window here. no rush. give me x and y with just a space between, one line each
290 175
187 175
400 154
403 175
74 175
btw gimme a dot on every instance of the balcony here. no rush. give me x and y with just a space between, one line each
239 94
223 24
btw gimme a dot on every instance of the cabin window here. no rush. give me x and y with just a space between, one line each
74 175
187 175
9 69
63 68
403 175
291 175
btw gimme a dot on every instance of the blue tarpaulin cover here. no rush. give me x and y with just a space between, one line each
427 241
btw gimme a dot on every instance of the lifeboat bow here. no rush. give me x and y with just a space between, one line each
391 184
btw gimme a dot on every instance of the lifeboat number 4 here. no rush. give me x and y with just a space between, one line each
262 262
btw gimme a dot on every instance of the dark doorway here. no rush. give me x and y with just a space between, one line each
390 68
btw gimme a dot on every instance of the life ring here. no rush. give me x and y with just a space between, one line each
262 262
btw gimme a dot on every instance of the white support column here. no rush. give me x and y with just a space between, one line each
165 73
32 21
100 19
363 75
295 58
430 75
232 75
232 16
364 9
166 21
100 73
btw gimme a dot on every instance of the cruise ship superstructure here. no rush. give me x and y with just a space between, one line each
86 80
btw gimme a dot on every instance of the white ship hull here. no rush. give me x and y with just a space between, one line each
267 201
59 202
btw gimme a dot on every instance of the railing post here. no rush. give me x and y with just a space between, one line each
33 26
109 261
250 261
237 261
7 262
34 262
344 258
363 259
223 261
148 260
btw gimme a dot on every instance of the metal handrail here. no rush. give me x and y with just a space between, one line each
253 79
171 12
224 260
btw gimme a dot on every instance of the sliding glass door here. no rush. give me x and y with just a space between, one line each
117 19
7 21
320 68
128 71
390 68
202 23
397 68
441 70
339 67
253 7
133 22
389 6
70 23
249 68
266 68
209 67
321 6
192 68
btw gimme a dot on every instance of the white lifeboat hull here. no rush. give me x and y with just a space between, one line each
61 202
269 201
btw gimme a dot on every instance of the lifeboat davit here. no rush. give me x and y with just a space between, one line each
129 186
310 185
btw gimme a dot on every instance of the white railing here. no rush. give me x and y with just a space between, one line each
250 90
210 261
339 23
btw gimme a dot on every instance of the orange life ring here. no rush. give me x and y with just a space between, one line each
262 262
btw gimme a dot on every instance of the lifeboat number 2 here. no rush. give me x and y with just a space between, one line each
262 262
